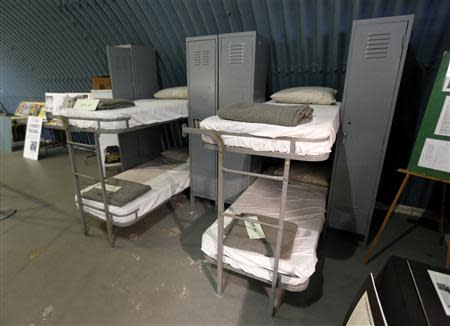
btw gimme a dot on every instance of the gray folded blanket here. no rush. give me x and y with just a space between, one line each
130 190
113 103
236 236
289 116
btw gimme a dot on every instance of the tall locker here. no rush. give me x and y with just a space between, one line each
374 68
133 71
243 64
201 60
145 74
221 70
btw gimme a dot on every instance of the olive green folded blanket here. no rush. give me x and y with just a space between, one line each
289 116
127 191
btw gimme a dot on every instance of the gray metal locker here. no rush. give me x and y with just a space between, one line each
374 68
201 62
133 71
145 74
243 64
119 62
222 69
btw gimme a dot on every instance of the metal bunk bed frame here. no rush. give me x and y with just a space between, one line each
216 136
101 178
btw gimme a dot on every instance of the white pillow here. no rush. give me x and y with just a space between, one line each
179 92
307 95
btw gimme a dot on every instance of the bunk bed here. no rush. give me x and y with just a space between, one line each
166 176
270 195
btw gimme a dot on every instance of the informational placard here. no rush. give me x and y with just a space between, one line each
32 138
431 152
86 104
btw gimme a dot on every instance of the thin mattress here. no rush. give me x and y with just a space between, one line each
144 112
317 136
167 178
305 206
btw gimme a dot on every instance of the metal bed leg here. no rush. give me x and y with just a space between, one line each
109 225
220 217
192 199
76 179
275 278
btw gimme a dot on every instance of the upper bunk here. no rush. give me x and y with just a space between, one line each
144 113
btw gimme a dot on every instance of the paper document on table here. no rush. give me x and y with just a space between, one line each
108 187
362 314
254 229
443 125
435 155
441 283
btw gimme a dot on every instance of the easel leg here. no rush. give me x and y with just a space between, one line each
386 219
441 218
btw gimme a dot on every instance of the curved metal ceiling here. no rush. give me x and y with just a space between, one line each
58 45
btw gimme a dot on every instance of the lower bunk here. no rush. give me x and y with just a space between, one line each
305 206
166 177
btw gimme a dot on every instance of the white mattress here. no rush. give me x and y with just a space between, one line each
318 135
305 206
165 180
144 112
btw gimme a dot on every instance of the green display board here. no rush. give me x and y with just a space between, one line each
431 152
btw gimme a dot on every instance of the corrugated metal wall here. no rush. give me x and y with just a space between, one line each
58 45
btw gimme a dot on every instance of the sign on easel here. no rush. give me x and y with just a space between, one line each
32 138
431 153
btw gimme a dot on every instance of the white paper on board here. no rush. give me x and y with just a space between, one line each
32 138
443 125
435 155
446 86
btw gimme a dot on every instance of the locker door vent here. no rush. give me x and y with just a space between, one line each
236 53
197 57
205 57
377 45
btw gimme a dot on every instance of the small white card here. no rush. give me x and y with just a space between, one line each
254 229
86 104
108 187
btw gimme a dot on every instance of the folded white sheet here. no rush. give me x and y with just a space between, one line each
166 181
318 135
305 206
144 112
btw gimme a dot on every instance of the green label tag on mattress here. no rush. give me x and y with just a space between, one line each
254 229
108 187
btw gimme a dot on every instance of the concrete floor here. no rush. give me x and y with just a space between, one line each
51 274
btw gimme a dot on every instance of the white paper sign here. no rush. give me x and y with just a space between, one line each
435 155
108 187
32 138
443 125
86 104
446 86
254 229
